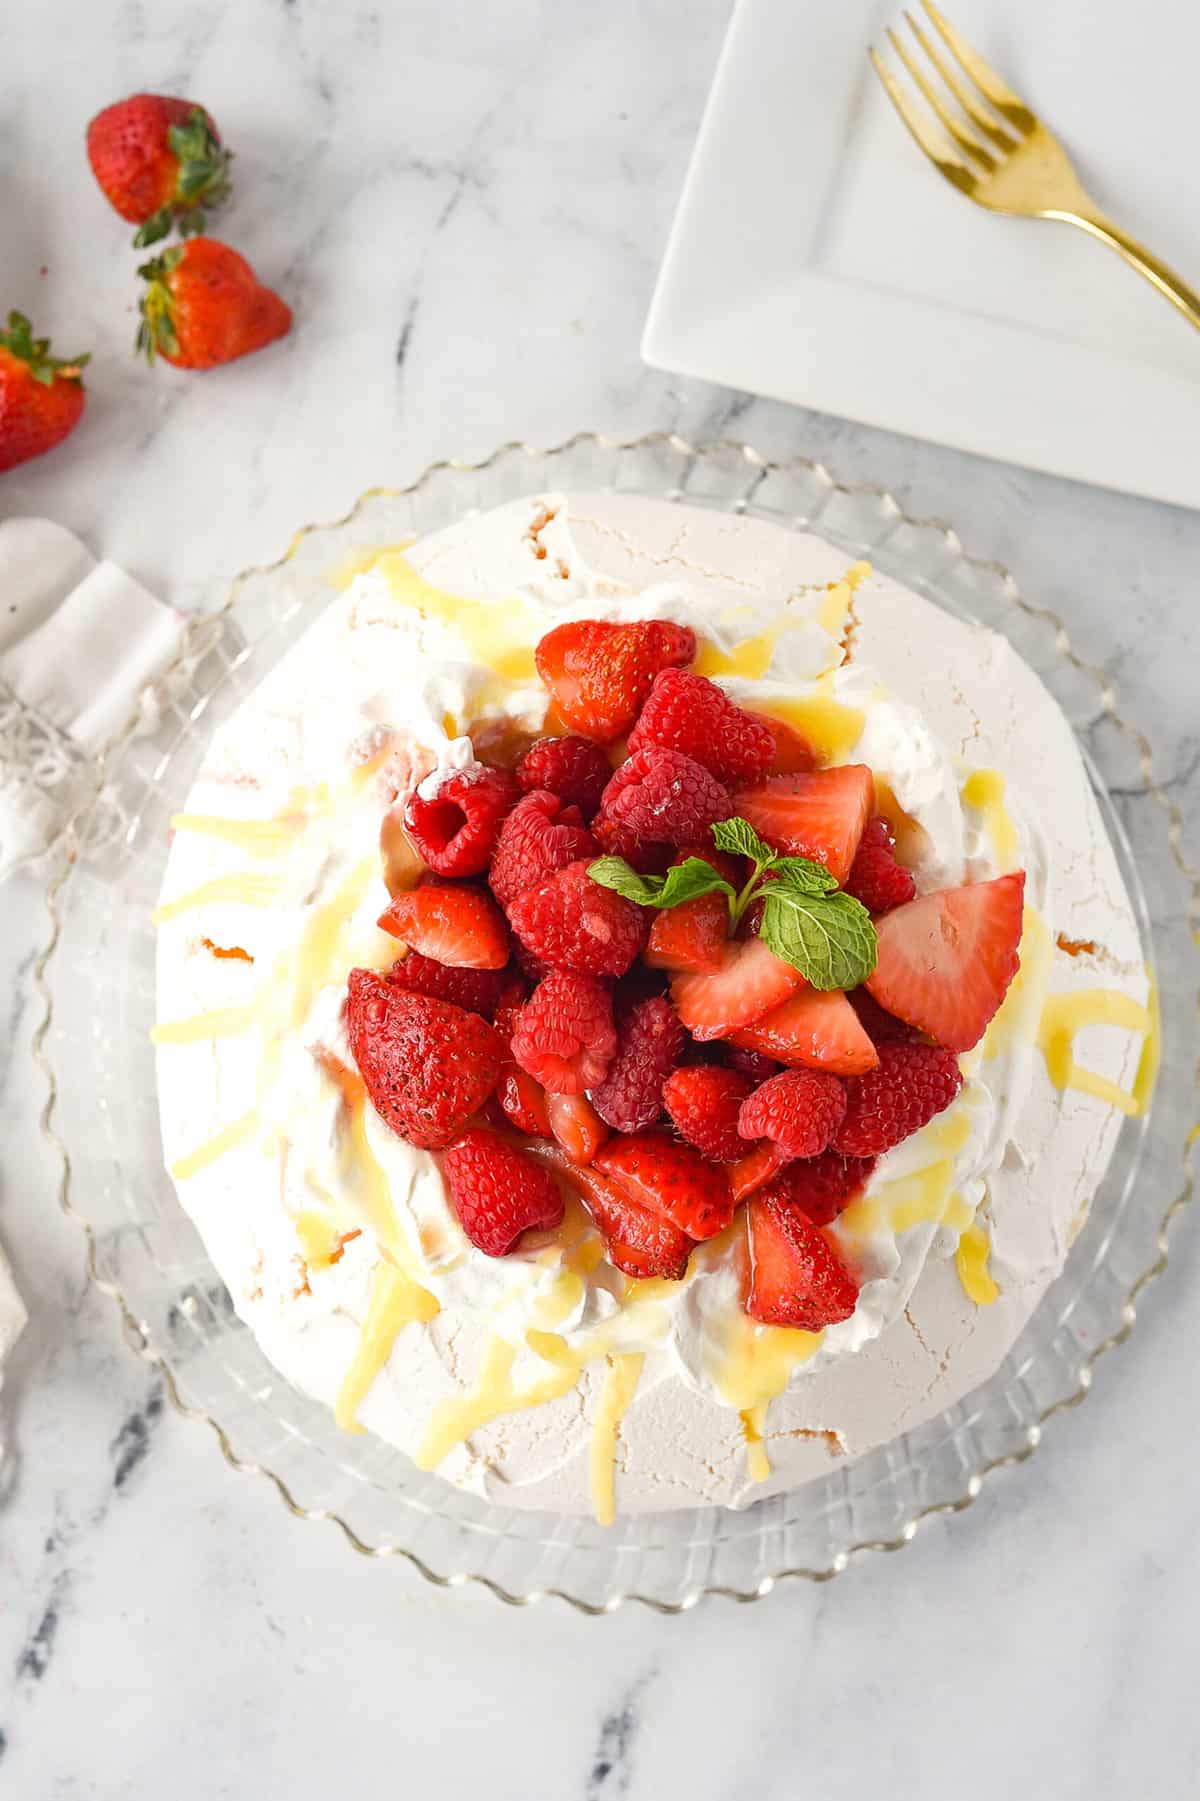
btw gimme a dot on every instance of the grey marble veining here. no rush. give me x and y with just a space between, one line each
465 204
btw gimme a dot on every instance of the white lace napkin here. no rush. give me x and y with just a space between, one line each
79 642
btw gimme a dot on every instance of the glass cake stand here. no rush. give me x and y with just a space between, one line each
97 981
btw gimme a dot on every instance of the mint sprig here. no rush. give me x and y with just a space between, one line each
807 920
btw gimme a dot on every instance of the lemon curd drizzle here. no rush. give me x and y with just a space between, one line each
984 790
395 1302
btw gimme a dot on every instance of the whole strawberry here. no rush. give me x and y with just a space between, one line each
160 163
204 305
41 396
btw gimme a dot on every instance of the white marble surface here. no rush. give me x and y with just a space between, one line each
465 203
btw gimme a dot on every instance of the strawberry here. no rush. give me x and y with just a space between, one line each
816 1029
688 713
160 162
796 1277
460 926
523 1102
757 1167
574 768
821 1186
664 797
754 1064
564 1035
41 397
820 815
750 982
799 1110
650 1041
600 673
876 878
912 1083
640 1241
204 305
457 828
571 922
671 1179
498 1192
539 835
792 753
703 1102
946 959
576 1125
692 936
427 1065
478 990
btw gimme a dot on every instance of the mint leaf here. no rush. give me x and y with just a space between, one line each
689 879
739 837
829 938
800 875
685 882
616 873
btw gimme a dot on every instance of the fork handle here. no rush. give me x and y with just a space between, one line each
1172 286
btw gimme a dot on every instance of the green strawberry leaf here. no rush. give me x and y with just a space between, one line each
686 881
740 838
829 938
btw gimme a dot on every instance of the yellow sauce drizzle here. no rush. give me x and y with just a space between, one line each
620 1386
754 1426
257 837
493 1396
984 790
971 1262
499 636
749 660
757 1362
831 727
395 1302
234 1134
221 1022
1016 1023
319 1239
1066 1014
244 889
319 941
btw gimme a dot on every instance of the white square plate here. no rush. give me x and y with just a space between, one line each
816 257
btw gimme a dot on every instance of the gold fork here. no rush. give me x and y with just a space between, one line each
1009 162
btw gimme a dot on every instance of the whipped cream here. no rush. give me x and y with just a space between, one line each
297 1210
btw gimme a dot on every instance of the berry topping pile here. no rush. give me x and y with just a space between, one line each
686 977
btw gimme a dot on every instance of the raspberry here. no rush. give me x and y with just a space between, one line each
600 673
649 1045
477 990
703 1103
427 1065
822 1186
498 1192
618 841
880 1026
456 830
888 1104
799 1110
665 797
876 879
574 768
565 1036
754 1064
539 835
534 969
688 713
571 922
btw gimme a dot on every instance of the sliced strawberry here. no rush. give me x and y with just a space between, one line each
946 959
600 673
750 982
820 1030
796 1277
671 1179
457 925
755 1168
793 754
692 937
819 815
576 1125
640 1241
523 1101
